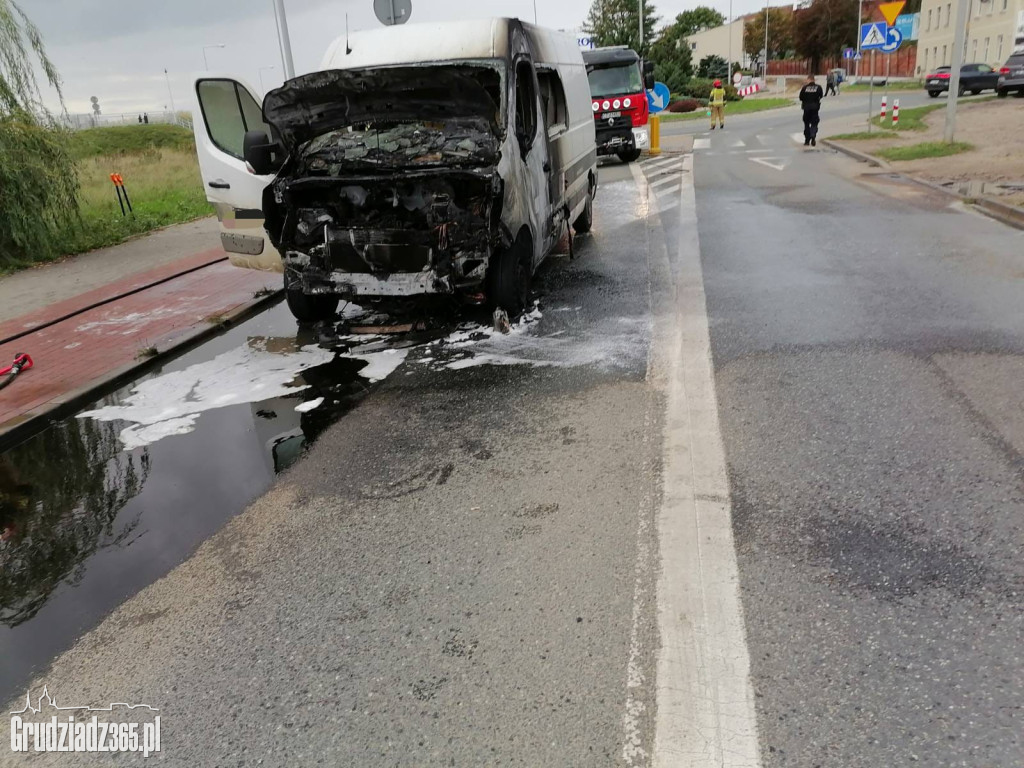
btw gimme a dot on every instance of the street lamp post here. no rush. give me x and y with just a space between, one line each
167 77
206 63
641 24
262 86
766 45
728 27
959 41
284 40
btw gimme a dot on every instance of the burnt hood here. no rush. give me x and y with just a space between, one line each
311 105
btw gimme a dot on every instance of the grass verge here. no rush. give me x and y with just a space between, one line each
164 187
923 150
894 86
863 136
732 108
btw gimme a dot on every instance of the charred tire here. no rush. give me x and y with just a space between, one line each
630 156
304 308
509 278
585 220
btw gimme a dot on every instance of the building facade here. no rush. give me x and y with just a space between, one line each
725 41
995 28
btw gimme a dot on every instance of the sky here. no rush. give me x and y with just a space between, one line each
117 50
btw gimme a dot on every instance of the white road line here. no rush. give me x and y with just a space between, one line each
706 716
672 179
701 143
661 163
668 205
798 138
738 143
766 140
667 194
777 163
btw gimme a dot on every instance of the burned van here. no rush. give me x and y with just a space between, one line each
422 162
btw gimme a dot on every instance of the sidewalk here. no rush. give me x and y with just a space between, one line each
85 342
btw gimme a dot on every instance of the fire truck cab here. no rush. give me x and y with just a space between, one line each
618 88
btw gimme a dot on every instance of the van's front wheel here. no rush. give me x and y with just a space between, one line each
305 308
629 156
509 278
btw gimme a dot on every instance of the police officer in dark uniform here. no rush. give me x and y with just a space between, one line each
810 99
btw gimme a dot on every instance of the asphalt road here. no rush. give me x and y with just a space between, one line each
868 342
561 547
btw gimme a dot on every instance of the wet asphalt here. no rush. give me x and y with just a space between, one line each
447 577
868 340
440 568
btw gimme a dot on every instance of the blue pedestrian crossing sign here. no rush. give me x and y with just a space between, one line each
873 36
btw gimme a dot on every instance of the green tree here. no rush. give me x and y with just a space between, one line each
824 28
617 22
38 180
712 66
780 35
673 63
697 20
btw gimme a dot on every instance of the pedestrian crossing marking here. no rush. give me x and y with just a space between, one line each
702 143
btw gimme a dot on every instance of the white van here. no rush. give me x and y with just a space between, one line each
422 160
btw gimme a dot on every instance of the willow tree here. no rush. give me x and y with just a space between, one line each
38 181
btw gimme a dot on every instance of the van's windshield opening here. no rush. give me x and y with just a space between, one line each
615 80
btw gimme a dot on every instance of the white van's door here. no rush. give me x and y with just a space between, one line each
225 110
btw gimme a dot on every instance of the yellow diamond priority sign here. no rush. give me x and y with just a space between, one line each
891 10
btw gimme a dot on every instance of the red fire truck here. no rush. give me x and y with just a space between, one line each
618 86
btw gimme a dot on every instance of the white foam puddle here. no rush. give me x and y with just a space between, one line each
609 343
170 404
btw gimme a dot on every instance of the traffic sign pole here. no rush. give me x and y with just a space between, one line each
871 90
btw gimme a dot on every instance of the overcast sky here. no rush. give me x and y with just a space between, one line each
117 50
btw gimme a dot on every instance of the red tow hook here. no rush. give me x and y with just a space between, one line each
22 362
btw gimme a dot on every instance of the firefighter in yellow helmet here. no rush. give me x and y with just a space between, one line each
717 104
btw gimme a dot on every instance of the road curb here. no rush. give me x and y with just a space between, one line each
861 156
30 423
1007 214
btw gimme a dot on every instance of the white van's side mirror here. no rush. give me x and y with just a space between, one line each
263 155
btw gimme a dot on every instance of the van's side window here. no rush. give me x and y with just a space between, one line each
229 111
526 105
552 99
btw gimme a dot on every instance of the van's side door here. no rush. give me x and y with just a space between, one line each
225 110
555 118
533 153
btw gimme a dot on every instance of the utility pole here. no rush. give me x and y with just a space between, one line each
534 11
860 18
284 40
641 24
959 39
728 26
766 45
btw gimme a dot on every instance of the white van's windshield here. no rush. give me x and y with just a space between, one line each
615 80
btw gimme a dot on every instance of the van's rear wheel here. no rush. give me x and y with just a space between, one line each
629 156
585 220
305 308
509 278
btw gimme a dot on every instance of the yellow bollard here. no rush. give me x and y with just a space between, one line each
655 122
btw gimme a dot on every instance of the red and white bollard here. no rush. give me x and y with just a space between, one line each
895 113
882 117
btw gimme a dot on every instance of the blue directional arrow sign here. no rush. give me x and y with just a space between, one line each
659 97
873 36
895 38
848 53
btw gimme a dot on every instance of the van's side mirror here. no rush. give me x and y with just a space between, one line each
649 82
648 67
263 155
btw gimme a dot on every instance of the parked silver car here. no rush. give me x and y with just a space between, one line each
1011 76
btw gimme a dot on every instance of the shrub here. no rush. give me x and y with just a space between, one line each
701 89
683 105
38 190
